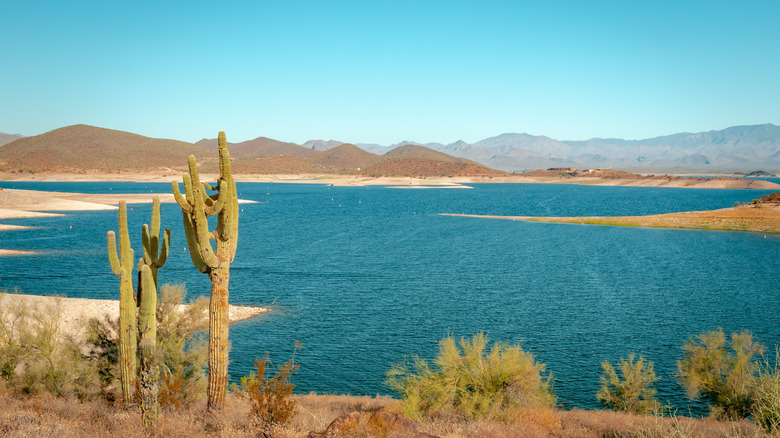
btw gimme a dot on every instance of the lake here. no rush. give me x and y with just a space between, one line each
364 276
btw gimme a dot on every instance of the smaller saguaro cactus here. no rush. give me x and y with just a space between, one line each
154 254
122 265
147 330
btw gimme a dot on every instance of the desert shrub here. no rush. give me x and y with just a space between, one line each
471 381
181 348
37 356
723 375
766 396
270 396
630 390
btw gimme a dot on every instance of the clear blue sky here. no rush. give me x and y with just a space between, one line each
386 71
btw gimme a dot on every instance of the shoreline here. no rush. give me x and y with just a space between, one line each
746 218
715 182
77 311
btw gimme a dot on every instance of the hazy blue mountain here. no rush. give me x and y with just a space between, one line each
738 148
8 138
322 145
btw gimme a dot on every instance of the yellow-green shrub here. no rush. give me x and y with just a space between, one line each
630 390
723 375
469 380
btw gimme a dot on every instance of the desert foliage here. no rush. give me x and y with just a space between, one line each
629 387
471 380
270 395
723 373
36 356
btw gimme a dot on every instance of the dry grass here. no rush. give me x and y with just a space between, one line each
46 416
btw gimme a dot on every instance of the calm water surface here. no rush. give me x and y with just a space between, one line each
364 276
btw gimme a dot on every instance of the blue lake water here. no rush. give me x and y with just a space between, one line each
364 276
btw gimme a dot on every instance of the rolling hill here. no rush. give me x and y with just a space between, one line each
261 147
84 148
89 149
418 161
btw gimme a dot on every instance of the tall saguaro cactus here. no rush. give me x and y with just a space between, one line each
215 261
154 254
122 265
147 329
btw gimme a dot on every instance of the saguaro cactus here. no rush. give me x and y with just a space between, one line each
215 261
122 265
154 255
147 330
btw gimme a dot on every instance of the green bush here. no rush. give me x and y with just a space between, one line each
471 381
724 376
766 396
630 391
36 355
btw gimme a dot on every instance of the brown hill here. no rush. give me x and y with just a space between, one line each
81 148
346 158
260 147
411 160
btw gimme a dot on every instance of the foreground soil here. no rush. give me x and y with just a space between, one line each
758 219
45 416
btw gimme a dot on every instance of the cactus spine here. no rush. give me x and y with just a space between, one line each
147 330
122 265
196 205
155 257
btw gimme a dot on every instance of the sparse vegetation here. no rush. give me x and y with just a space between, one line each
36 356
724 375
471 382
630 390
270 396
766 395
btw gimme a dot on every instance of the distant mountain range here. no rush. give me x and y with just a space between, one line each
84 149
739 148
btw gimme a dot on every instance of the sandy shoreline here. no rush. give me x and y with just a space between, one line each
764 219
358 180
77 311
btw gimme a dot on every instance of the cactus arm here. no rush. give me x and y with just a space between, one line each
192 243
164 250
209 186
180 199
155 226
200 222
146 241
113 258
217 206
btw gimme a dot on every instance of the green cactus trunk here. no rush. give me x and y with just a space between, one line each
154 254
122 266
147 329
218 337
196 206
